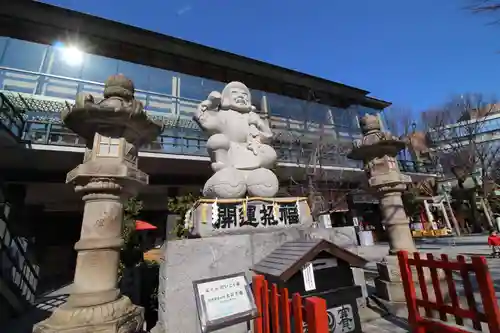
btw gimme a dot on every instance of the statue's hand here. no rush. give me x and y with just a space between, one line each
204 106
82 99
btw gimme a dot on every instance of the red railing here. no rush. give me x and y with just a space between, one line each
275 310
462 268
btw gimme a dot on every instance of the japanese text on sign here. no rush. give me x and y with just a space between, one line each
224 298
308 276
232 215
340 320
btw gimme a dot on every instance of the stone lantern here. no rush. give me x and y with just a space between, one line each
114 129
378 152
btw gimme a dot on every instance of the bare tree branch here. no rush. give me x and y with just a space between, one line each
481 6
315 147
399 121
485 7
462 135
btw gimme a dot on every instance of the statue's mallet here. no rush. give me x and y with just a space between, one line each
212 102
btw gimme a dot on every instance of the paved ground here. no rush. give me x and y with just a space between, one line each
386 325
469 245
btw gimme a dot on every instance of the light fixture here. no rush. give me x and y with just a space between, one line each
71 55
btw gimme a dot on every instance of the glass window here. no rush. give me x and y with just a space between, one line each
159 105
64 61
286 107
257 98
318 113
3 44
97 68
362 110
344 118
193 87
23 55
169 141
487 126
108 147
194 142
135 72
160 81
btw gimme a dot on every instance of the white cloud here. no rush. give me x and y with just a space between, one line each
184 10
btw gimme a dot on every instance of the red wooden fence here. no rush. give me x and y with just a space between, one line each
275 310
427 323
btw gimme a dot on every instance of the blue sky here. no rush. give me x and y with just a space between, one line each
417 54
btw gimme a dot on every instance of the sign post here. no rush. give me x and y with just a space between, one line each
224 301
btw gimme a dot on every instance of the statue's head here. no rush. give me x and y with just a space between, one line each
369 123
236 96
119 86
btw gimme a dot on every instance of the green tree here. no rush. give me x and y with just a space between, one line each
180 205
131 211
411 203
131 253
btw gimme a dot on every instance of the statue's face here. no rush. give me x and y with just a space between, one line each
240 97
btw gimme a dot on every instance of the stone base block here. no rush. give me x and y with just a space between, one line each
194 259
120 316
393 291
398 309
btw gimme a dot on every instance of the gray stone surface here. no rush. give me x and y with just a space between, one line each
194 259
237 144
378 152
386 325
114 129
359 280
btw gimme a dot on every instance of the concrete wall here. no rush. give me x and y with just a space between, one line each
188 260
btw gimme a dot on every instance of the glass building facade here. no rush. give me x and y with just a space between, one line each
451 143
483 129
57 73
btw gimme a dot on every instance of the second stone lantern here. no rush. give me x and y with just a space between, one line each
378 151
114 129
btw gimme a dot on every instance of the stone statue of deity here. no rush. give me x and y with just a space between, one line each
237 144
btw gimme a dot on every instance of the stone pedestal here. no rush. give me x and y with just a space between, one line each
193 259
98 249
119 316
95 299
389 286
396 222
234 235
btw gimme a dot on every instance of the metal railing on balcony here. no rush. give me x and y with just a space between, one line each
40 123
11 118
15 267
42 132
418 167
